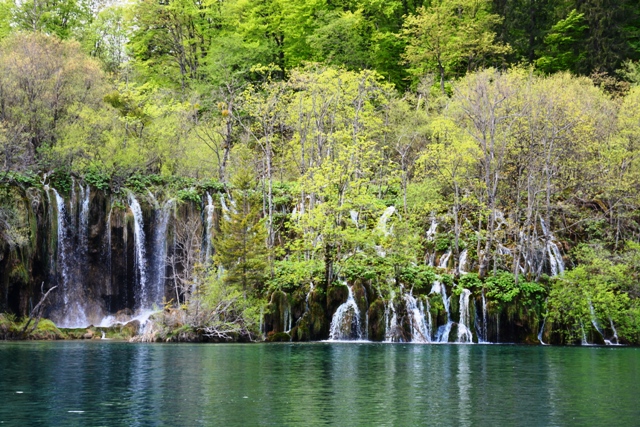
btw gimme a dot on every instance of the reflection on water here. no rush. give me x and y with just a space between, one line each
99 383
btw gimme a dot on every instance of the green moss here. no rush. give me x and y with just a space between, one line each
46 330
279 337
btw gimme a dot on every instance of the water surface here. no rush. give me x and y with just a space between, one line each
347 384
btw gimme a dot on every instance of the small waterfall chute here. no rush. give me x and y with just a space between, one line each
140 253
442 335
346 324
73 313
462 263
464 332
556 264
420 326
540 334
210 209
354 217
382 222
444 260
159 258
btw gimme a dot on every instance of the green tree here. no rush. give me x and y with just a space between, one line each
565 44
43 80
450 37
241 245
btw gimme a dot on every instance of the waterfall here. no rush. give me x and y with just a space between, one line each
556 264
390 316
306 300
542 332
85 193
209 227
462 263
596 325
382 222
307 308
140 252
584 335
615 333
225 209
345 324
444 330
286 324
354 217
108 251
431 232
485 334
430 235
159 259
390 321
262 320
444 259
464 333
420 330
62 246
73 314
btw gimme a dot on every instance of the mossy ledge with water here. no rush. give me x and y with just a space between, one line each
151 262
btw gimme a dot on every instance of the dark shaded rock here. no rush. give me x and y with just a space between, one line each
377 327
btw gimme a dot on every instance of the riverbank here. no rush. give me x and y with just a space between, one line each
18 330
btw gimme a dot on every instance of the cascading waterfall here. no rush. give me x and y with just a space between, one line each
140 252
84 218
444 330
390 317
382 222
225 208
420 328
542 332
210 209
286 324
485 337
62 245
615 333
354 217
307 308
462 263
464 333
596 325
584 335
109 249
556 264
430 235
345 324
444 260
159 259
73 312
431 232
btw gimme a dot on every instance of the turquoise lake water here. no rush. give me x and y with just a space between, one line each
103 383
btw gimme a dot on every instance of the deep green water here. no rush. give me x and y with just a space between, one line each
111 384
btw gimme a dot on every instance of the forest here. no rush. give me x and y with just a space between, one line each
426 171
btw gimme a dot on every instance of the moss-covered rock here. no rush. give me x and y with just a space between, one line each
377 327
46 330
278 337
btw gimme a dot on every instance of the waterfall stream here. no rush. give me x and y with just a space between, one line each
73 313
210 209
462 263
420 327
444 330
464 333
345 324
159 258
140 252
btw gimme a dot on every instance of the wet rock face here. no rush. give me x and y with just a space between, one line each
92 260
